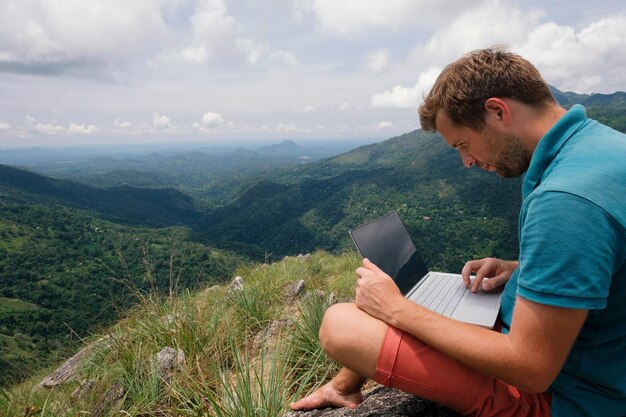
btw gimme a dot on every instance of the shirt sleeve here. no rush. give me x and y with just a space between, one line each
569 250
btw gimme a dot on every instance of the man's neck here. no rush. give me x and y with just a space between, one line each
532 123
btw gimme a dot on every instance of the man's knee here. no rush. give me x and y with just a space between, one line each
335 326
352 337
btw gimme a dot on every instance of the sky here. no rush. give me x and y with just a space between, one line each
174 71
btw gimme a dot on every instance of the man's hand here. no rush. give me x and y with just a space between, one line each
497 270
376 293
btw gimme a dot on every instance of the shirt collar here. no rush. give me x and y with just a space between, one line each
550 145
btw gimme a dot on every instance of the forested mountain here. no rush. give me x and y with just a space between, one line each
199 171
63 272
124 204
452 214
606 108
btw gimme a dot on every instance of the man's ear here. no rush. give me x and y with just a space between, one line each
497 111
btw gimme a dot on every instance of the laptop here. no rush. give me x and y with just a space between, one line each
386 242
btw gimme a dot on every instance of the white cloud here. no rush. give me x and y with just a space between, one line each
49 128
583 61
353 16
494 22
346 105
384 125
306 109
378 61
407 97
82 129
122 124
284 58
212 119
54 36
216 38
5 126
252 51
161 122
286 127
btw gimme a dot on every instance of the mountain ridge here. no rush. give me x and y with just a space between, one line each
124 203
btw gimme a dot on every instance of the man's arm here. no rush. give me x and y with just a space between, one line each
529 357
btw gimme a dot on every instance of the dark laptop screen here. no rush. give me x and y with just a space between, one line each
386 243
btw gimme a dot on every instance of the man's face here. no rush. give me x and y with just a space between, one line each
489 149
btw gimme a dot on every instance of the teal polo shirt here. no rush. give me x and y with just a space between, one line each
572 232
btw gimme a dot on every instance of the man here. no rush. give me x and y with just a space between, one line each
562 350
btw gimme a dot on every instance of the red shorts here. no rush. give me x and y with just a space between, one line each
409 365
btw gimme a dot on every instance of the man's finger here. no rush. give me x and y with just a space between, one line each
495 282
468 268
480 275
371 266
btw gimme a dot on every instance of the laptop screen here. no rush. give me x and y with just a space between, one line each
386 243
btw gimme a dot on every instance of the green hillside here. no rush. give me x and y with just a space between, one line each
64 272
453 214
239 353
125 204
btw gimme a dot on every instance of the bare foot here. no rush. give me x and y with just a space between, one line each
328 396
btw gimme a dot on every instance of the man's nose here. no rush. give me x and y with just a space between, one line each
468 160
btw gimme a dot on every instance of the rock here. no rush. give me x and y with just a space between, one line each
270 331
384 402
168 360
67 371
111 397
294 289
236 285
85 388
304 257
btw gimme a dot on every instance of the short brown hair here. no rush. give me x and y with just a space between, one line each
464 86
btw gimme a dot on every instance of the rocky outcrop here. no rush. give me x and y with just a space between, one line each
384 402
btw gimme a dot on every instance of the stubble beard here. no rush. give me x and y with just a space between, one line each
512 159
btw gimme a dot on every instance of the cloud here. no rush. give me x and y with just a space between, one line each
5 126
584 61
306 109
212 119
407 97
378 61
82 129
284 58
384 125
216 39
161 122
346 105
49 128
356 16
494 22
122 124
53 37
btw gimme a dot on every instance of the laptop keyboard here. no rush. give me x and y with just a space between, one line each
441 293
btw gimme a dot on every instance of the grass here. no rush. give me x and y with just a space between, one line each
246 353
11 305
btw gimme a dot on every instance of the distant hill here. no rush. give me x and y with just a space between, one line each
609 109
286 147
125 204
